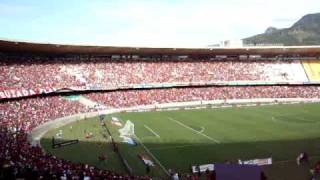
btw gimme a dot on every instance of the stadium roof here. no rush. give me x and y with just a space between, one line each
47 48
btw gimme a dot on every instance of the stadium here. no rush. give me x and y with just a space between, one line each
103 112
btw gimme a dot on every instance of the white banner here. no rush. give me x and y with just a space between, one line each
259 162
203 168
14 93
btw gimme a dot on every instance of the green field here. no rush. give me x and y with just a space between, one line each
178 139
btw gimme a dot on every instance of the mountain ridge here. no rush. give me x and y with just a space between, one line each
306 31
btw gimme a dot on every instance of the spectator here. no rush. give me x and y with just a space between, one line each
105 73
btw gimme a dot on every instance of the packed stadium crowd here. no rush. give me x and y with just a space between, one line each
21 116
20 159
26 114
66 73
156 96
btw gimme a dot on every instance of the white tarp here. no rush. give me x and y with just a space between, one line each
116 121
127 130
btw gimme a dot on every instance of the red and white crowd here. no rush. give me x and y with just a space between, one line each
18 159
155 96
33 73
26 114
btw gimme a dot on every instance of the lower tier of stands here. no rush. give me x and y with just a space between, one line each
19 159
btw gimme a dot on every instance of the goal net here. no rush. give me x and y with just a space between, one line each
127 130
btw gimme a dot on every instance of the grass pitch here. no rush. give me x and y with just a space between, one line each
178 139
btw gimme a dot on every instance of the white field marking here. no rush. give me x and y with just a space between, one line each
202 130
157 135
158 162
197 132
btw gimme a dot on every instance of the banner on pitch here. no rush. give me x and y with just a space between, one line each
259 162
202 168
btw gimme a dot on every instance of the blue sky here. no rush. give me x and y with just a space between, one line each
155 23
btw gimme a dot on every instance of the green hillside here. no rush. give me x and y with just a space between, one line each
306 31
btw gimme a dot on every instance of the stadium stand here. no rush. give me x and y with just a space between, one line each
19 159
157 96
18 117
106 73
312 68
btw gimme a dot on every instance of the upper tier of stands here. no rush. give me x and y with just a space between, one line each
62 74
37 73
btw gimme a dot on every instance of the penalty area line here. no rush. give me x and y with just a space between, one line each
197 132
157 135
158 162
